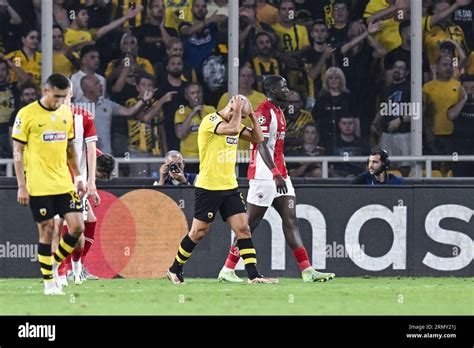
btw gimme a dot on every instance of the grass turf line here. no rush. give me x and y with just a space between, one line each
342 296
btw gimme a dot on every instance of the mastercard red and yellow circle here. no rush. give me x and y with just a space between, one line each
136 236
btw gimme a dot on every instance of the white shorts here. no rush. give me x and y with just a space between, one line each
263 192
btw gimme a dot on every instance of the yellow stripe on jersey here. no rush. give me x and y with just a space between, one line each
46 133
217 155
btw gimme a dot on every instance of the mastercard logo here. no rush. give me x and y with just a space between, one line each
136 235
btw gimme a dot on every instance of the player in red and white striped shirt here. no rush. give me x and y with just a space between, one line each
269 183
85 143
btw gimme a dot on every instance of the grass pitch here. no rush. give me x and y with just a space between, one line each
342 296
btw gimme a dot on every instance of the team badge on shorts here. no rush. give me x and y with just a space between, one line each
43 211
210 215
261 119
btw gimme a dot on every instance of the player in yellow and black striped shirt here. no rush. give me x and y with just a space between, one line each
217 188
43 136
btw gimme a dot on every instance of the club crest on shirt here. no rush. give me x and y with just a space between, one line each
43 211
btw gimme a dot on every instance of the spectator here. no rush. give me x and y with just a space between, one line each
175 48
7 105
174 82
60 14
153 36
172 172
438 96
99 11
177 12
265 63
128 56
392 122
64 60
348 144
187 120
338 33
441 31
334 102
453 50
200 35
246 81
10 26
464 18
105 109
78 31
249 27
310 148
218 7
470 64
146 136
296 119
27 60
120 7
402 52
462 114
28 94
90 62
293 41
376 174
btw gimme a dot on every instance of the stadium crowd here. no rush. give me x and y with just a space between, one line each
347 63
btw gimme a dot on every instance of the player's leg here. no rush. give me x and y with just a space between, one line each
57 233
285 205
42 208
199 230
233 211
68 206
89 233
227 273
45 258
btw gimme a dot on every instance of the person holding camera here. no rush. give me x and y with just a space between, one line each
172 172
376 174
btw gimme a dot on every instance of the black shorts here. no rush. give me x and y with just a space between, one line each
228 202
46 207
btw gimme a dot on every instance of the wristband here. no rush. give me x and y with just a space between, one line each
275 172
78 178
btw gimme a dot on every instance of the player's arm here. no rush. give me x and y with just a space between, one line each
254 135
92 166
438 17
268 160
182 129
72 159
23 197
455 110
124 111
132 12
233 126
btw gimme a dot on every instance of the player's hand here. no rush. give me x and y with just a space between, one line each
374 27
197 109
178 176
168 97
148 94
133 12
281 185
92 192
237 103
81 190
23 196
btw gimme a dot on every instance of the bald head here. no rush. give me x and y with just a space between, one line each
91 86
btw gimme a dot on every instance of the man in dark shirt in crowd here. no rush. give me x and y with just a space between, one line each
376 174
462 114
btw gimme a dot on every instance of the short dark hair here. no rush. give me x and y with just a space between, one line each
26 86
87 49
55 26
447 45
59 81
145 75
78 8
270 82
26 31
467 78
105 164
263 33
319 22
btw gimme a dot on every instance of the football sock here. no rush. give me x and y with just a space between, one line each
232 258
184 252
65 247
249 255
301 257
89 232
46 261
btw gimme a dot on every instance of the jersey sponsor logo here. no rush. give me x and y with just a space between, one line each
262 119
54 136
231 140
